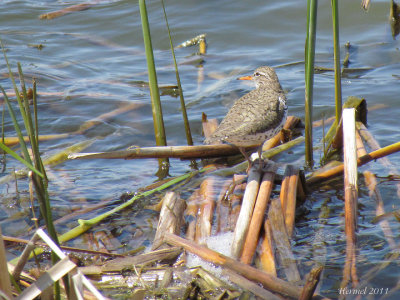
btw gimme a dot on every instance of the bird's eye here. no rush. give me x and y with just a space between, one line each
257 74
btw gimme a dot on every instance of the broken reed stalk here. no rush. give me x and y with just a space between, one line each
312 281
170 219
267 255
250 286
270 282
5 283
282 241
350 194
206 210
374 193
257 218
374 145
337 170
309 80
246 211
288 196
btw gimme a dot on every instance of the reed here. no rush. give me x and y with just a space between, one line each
178 81
309 77
336 57
158 121
35 163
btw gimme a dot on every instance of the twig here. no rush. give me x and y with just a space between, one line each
171 217
270 282
337 170
243 222
281 240
351 194
264 193
312 281
267 256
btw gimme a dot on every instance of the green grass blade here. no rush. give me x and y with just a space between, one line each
154 92
178 80
336 55
309 80
24 148
20 159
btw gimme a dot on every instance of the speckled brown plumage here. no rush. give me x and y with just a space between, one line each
255 117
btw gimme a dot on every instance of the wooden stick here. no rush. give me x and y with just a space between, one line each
269 282
312 281
290 123
5 283
288 196
281 240
223 206
248 285
374 193
374 145
206 210
170 219
337 170
267 256
191 214
290 212
246 210
350 184
264 193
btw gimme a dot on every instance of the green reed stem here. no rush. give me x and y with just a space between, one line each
178 80
309 80
154 92
336 56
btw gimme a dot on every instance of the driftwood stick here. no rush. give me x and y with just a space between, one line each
184 152
312 280
350 185
246 211
191 214
288 196
374 145
264 193
337 170
248 285
290 123
223 206
5 283
206 210
171 217
270 282
267 256
67 10
282 242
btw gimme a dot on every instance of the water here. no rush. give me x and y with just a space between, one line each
92 59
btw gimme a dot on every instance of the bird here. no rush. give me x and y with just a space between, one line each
255 117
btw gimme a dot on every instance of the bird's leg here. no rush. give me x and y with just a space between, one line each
243 151
261 161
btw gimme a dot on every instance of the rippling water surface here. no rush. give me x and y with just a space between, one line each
92 61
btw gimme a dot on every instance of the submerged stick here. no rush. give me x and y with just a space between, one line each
374 193
170 219
282 242
270 282
337 170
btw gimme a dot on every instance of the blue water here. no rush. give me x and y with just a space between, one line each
91 60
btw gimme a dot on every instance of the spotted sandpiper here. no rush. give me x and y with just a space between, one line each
255 117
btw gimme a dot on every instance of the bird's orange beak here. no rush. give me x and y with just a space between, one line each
246 78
